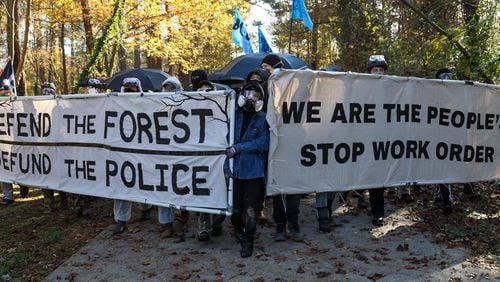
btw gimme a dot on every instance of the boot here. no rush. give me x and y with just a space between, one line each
64 200
246 248
167 230
295 232
48 196
330 211
280 233
324 220
120 227
146 214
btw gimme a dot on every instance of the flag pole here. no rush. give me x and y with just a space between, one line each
290 37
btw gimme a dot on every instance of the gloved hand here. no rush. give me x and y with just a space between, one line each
227 173
231 151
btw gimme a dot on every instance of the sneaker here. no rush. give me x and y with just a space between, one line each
295 233
203 236
146 214
167 230
280 235
120 227
378 221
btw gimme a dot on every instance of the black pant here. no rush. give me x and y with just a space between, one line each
247 199
291 214
377 201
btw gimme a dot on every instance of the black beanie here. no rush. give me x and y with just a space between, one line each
198 76
441 71
273 60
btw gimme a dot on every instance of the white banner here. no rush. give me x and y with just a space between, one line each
343 131
163 149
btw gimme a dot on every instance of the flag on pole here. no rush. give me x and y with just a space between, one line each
240 34
263 45
299 11
7 78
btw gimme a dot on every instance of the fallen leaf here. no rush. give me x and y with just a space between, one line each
340 271
402 248
146 262
323 274
375 276
300 269
361 257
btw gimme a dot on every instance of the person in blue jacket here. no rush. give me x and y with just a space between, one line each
249 153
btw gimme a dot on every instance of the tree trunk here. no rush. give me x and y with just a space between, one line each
137 57
314 43
87 25
122 58
63 53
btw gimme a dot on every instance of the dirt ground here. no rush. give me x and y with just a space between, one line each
353 251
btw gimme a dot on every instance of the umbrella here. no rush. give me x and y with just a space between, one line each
151 79
331 67
237 70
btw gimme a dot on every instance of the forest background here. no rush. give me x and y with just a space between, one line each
64 41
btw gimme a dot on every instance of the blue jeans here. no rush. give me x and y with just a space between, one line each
8 192
323 198
123 211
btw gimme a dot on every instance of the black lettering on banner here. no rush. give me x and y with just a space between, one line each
342 153
179 190
313 109
339 113
203 113
398 148
162 168
128 183
181 125
133 126
108 123
5 160
85 123
87 169
142 186
111 170
160 127
292 112
144 126
358 113
324 148
403 112
21 124
464 153
309 158
197 191
17 124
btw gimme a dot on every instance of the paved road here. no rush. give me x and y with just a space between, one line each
354 251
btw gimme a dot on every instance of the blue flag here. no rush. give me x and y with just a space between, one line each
7 80
299 11
240 34
263 45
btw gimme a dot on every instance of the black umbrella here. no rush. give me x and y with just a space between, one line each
151 79
237 70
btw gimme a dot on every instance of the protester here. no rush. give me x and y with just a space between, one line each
251 143
444 196
123 209
285 207
197 76
8 191
48 88
171 84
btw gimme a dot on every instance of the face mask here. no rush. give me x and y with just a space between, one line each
250 101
